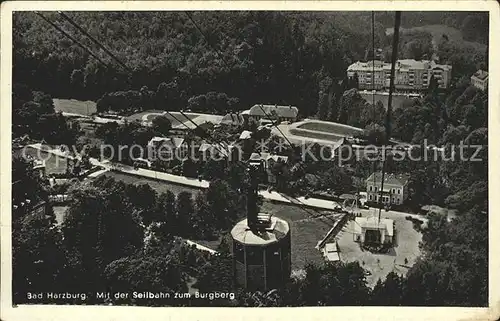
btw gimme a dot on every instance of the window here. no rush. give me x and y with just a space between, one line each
371 188
393 191
399 190
254 255
370 197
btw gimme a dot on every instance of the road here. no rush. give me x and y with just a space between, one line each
203 184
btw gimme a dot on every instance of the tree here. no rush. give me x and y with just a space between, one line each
351 105
433 84
46 105
337 179
26 184
146 273
332 284
225 202
77 82
217 274
38 258
143 198
202 221
184 209
168 96
390 292
161 124
166 215
374 134
91 234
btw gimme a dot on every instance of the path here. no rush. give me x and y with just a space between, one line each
312 202
192 182
200 247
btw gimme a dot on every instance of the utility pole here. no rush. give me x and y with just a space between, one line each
395 42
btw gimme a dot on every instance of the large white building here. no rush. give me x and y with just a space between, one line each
410 74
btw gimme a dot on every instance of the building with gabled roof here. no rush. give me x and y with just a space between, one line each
480 79
395 189
233 119
272 112
268 161
166 148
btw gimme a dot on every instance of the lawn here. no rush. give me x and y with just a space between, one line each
158 186
75 106
297 132
305 232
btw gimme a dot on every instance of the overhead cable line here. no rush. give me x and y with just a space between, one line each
74 24
92 54
260 105
128 69
388 116
373 89
71 38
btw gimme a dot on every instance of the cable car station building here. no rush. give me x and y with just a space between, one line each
372 231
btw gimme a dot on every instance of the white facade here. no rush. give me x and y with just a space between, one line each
373 230
395 189
409 74
272 112
167 148
480 79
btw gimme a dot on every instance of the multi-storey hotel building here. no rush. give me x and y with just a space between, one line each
410 74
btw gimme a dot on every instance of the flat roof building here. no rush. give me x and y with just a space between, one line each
410 74
371 230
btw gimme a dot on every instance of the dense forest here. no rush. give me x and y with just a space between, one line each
276 57
290 58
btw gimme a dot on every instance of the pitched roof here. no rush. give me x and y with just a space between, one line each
232 119
392 179
171 141
481 74
271 110
266 157
401 64
206 146
246 134
374 223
